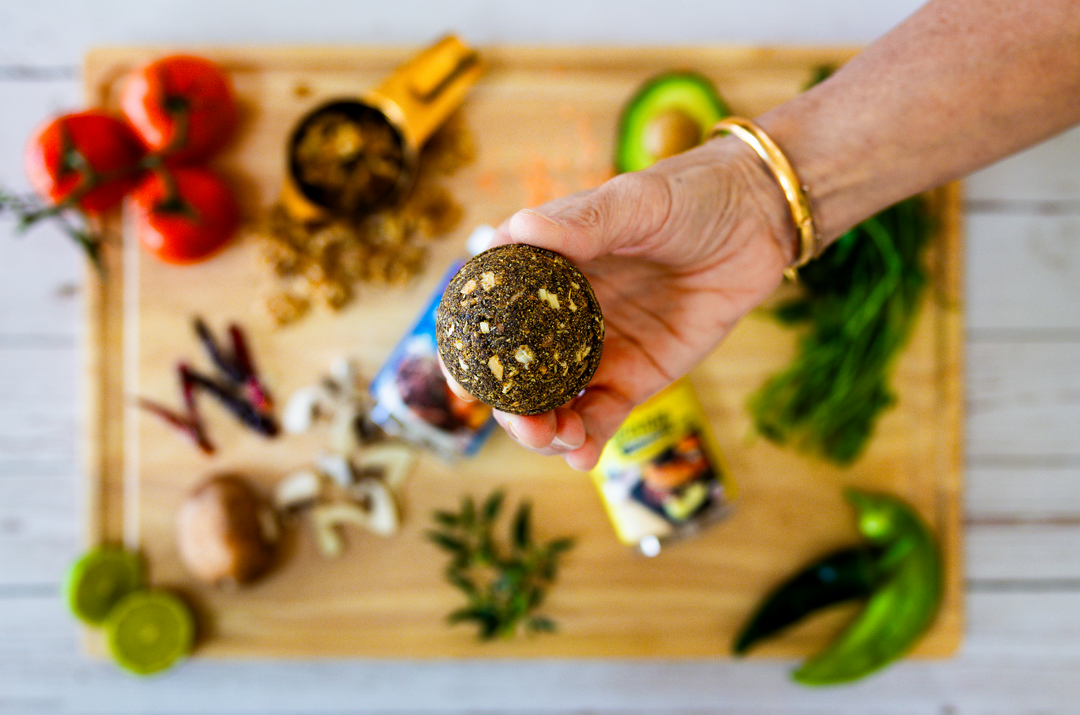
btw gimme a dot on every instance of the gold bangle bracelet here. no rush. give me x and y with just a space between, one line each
781 168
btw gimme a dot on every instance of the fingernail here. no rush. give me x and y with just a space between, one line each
549 219
509 427
559 444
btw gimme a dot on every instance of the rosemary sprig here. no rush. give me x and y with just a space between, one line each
30 211
504 582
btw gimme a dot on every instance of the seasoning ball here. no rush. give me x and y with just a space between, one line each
520 329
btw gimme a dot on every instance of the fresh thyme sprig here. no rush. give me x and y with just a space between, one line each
504 582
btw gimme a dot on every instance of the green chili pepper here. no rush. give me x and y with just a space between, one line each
841 576
898 611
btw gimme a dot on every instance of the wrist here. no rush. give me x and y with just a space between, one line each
795 193
763 200
835 184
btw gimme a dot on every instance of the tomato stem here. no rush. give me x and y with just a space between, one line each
173 202
72 160
179 108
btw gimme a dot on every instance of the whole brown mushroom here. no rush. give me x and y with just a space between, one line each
227 533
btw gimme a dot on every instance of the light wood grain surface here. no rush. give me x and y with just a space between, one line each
1022 499
528 113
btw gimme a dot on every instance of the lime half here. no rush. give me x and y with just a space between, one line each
148 631
99 579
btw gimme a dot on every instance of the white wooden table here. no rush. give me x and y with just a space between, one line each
1022 505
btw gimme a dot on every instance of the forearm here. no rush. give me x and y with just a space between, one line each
959 85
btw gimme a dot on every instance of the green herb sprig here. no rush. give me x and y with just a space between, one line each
505 581
859 303
30 211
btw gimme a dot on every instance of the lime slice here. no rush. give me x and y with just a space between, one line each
148 631
99 579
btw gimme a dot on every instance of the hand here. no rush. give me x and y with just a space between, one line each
676 255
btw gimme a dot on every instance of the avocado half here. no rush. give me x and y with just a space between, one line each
672 112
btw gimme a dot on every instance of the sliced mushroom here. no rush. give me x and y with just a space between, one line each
379 505
345 375
394 459
326 518
298 490
306 405
345 437
337 467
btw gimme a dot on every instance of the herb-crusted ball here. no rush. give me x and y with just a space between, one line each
520 329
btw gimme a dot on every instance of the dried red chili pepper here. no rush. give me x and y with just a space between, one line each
245 411
239 390
256 392
237 365
187 425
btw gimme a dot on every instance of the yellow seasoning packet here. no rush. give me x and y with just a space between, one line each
662 476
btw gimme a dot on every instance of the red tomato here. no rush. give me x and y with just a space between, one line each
89 158
181 106
184 214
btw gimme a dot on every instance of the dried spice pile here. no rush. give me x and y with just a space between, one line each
322 262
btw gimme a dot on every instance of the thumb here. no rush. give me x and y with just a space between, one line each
619 214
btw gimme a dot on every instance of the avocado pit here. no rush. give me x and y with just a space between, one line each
671 132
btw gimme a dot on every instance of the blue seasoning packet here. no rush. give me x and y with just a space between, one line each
412 399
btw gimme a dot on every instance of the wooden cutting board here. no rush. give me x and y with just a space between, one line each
543 119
